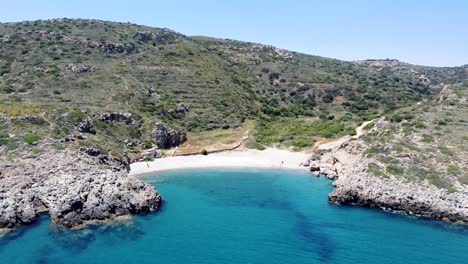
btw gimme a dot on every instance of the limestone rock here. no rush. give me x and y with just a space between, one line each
72 188
86 126
355 185
167 137
80 69
164 37
124 48
180 109
90 151
115 116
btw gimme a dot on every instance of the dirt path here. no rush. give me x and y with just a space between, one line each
337 142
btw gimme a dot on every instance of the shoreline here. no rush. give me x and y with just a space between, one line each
270 158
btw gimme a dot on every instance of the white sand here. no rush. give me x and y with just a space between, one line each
268 158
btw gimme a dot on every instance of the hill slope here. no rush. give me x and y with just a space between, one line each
114 90
62 71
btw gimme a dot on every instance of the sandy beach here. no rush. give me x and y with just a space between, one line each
268 158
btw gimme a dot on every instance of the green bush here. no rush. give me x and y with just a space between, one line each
301 143
374 169
393 169
204 152
444 150
453 169
369 126
31 138
254 145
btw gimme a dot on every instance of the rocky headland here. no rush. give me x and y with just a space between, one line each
357 181
72 187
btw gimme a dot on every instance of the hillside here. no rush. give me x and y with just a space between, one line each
413 161
56 73
82 99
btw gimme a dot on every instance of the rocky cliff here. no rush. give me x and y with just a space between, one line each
363 179
72 188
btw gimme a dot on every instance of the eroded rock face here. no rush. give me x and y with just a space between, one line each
167 137
353 184
180 109
115 116
163 37
124 48
90 151
72 188
80 69
86 126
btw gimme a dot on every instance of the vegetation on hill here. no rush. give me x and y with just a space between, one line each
426 141
56 74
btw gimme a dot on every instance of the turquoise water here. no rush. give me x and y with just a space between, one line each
244 216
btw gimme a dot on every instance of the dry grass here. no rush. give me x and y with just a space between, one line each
214 140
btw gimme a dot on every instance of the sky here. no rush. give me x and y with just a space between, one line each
425 32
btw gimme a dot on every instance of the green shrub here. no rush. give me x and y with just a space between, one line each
301 143
204 152
442 123
374 150
369 126
4 138
393 169
36 151
8 89
374 169
147 159
451 189
254 145
463 179
31 138
453 169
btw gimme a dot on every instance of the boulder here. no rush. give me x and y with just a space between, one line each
115 116
164 37
80 69
86 126
118 48
166 137
90 151
73 188
6 39
180 109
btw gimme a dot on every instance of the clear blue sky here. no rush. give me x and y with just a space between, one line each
427 32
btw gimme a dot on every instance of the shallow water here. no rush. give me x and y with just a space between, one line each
244 216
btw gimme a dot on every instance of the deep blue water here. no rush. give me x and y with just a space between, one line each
244 216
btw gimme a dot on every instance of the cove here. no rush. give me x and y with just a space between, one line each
244 216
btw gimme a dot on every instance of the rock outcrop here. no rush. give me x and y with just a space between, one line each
109 47
86 126
163 37
348 165
166 137
90 151
53 36
115 116
80 69
73 188
180 109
